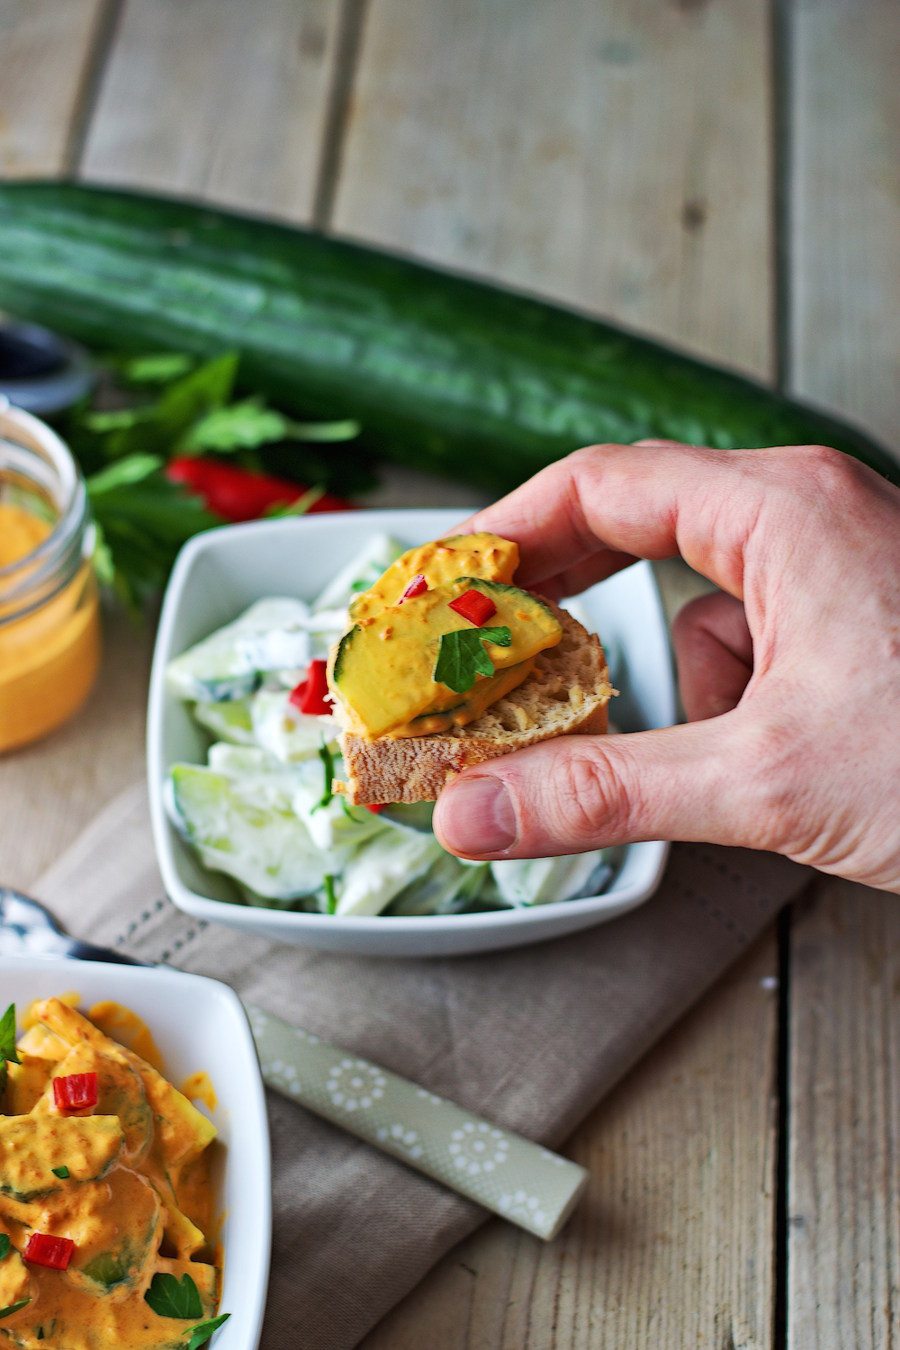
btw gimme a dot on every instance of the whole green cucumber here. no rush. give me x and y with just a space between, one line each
449 374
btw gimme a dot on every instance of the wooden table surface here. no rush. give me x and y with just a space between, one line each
721 173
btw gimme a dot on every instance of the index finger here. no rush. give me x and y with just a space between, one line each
586 516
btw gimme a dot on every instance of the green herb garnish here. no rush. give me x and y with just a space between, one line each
7 1044
170 1297
157 367
5 1246
61 1172
176 405
462 656
330 893
14 1307
327 759
8 1035
201 1333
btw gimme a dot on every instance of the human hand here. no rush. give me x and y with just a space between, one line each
790 676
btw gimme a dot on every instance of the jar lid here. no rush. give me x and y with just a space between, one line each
41 371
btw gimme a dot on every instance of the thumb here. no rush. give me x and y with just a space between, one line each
577 793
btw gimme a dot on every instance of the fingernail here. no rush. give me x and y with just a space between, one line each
477 816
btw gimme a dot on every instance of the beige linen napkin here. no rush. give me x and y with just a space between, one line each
531 1039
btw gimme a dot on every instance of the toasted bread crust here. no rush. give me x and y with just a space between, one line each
566 695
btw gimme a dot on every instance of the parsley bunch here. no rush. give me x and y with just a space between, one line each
151 409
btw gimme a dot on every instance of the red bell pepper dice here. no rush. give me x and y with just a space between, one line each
311 695
474 606
238 494
376 807
75 1092
418 586
53 1252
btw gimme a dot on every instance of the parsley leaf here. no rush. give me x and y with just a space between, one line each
14 1307
327 759
142 521
61 1172
238 426
462 656
250 423
5 1245
201 1333
157 367
8 1035
325 432
170 1297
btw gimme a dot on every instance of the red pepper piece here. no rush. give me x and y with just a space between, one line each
75 1092
311 695
238 494
53 1252
418 586
376 807
474 606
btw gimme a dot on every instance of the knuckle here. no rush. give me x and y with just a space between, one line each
832 473
588 800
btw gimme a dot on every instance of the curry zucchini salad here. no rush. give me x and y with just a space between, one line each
106 1199
263 808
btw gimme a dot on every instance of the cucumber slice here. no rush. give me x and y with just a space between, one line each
333 826
284 731
262 845
120 1093
229 664
116 1225
31 1146
410 815
447 887
230 721
537 881
381 868
359 574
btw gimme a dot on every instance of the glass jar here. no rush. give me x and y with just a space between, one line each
49 612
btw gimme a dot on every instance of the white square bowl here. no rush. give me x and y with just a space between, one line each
197 1024
220 573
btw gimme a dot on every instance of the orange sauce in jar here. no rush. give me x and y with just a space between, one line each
49 625
49 629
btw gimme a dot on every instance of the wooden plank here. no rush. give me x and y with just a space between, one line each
844 1113
45 62
681 1161
614 156
52 789
843 1240
218 99
845 209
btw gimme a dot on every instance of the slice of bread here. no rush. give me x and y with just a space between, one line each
566 694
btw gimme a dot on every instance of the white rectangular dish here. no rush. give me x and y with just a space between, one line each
197 1024
220 573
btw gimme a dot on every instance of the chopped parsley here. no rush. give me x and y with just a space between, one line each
61 1172
201 1333
8 1035
5 1246
14 1307
327 759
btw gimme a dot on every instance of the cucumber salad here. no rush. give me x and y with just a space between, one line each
262 809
